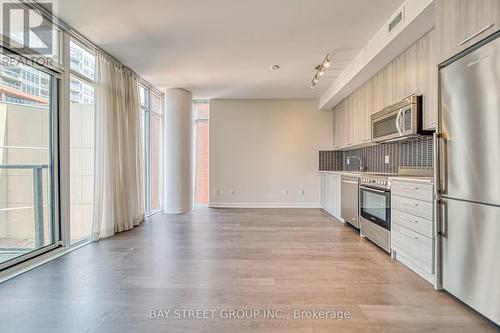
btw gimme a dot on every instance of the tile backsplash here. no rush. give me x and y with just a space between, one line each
417 153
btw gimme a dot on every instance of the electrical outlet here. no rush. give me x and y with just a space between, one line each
386 159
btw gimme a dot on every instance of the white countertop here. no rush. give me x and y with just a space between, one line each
420 179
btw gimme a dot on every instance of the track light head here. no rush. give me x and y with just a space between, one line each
320 70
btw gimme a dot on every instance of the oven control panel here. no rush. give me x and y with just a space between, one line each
381 182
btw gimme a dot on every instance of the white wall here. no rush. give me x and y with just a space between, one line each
261 148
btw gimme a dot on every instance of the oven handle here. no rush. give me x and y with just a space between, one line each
372 189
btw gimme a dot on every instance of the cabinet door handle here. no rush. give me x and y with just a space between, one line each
409 203
407 235
407 219
409 187
475 34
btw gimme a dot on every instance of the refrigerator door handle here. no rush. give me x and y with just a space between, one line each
442 163
442 215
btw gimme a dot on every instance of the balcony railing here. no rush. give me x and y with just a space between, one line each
38 206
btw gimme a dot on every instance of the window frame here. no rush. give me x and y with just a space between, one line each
197 120
147 112
84 80
56 97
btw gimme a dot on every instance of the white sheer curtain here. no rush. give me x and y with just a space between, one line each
118 190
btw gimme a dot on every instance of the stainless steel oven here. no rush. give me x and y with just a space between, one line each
399 121
375 210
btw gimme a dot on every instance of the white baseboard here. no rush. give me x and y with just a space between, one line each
264 205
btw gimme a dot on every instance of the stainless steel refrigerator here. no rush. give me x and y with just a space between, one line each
469 172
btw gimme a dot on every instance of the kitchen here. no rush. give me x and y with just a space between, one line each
414 149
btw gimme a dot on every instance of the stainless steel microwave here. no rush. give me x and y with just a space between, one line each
399 121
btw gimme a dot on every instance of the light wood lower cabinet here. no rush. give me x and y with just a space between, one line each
413 227
330 193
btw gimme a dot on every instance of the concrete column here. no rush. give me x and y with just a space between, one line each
178 151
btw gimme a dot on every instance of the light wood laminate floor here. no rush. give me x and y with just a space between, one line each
281 259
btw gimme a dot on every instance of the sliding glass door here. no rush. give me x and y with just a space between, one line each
27 153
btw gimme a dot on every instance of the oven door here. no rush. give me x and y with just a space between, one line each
375 206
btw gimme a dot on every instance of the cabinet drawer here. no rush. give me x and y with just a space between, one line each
412 190
417 249
411 206
412 222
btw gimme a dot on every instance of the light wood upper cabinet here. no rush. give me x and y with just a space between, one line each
407 70
339 126
386 80
413 72
349 121
462 23
365 112
429 80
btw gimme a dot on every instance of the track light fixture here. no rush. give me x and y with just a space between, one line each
320 70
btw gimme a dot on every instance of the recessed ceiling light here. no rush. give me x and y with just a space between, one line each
275 67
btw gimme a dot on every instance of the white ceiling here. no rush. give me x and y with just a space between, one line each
224 48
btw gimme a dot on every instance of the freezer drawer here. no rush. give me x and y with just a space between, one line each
471 255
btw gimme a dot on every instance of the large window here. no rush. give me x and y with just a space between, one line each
34 142
82 65
201 127
27 113
152 125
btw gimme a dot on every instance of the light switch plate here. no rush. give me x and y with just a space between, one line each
386 159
